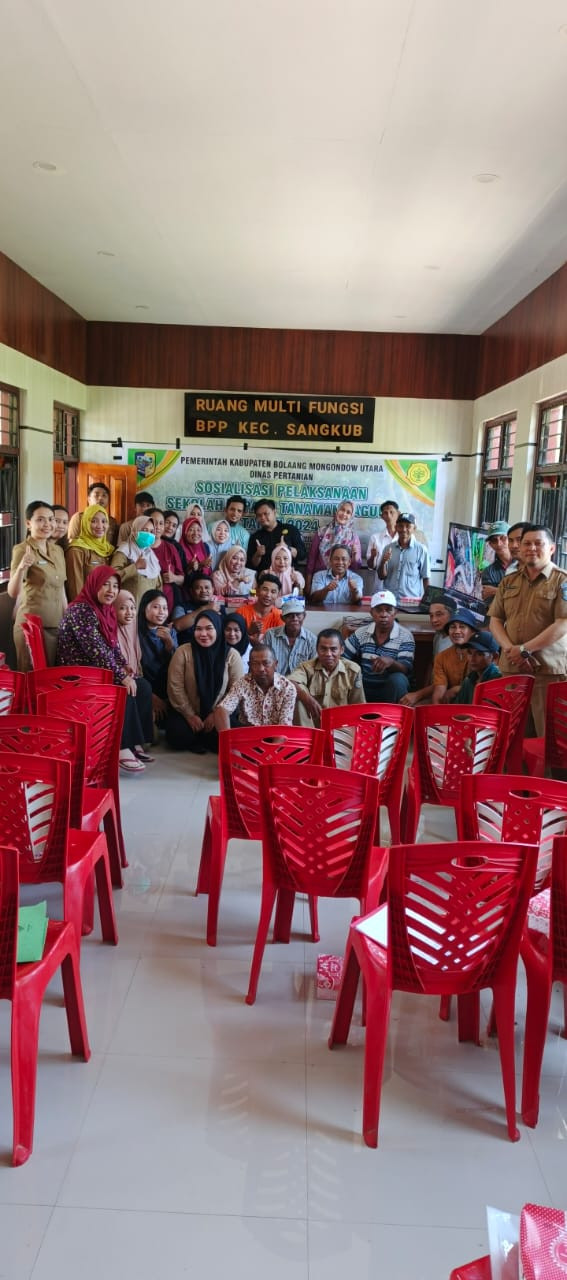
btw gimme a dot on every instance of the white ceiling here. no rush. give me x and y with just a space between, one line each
287 163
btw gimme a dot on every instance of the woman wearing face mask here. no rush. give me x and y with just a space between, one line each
158 643
197 551
292 581
200 674
89 550
136 561
37 581
167 553
88 637
232 578
236 636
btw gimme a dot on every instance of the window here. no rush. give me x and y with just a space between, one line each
497 463
9 442
549 503
66 431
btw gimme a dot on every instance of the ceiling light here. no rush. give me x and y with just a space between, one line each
432 266
486 177
105 253
45 166
142 306
400 315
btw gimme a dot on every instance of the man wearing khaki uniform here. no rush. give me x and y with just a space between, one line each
528 618
329 680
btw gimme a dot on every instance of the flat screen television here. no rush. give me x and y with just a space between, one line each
468 554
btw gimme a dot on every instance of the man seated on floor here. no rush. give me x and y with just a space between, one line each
201 595
440 614
262 697
328 680
482 649
337 584
384 650
292 642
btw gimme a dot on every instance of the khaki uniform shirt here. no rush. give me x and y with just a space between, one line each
75 528
42 589
339 688
528 607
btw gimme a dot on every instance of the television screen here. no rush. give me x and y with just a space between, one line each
467 555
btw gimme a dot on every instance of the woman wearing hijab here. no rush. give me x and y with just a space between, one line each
158 643
138 566
167 553
219 540
197 512
89 549
200 674
129 645
232 578
282 565
339 533
196 549
236 636
88 637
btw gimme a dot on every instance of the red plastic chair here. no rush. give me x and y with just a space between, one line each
546 963
34 817
235 814
550 752
67 740
454 921
317 838
479 1270
71 678
12 691
514 693
515 808
448 743
101 708
24 985
371 738
32 629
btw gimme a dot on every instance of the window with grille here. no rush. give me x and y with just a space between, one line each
549 501
9 445
497 463
66 432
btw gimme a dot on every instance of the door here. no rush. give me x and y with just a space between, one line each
121 481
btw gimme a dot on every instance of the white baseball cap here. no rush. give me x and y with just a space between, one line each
383 597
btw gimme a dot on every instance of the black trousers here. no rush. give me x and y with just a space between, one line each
181 737
138 718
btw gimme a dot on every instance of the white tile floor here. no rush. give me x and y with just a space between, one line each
206 1138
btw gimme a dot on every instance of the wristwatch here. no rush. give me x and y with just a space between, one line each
525 653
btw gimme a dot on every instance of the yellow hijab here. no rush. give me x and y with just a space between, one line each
86 539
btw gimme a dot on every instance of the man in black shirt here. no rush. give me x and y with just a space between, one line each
270 532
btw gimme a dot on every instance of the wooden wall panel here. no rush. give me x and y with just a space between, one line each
39 324
432 366
531 334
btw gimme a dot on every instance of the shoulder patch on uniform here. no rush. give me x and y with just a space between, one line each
564 591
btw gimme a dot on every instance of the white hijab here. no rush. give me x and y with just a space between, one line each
133 552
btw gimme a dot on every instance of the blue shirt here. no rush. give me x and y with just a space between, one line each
406 569
361 647
290 656
341 593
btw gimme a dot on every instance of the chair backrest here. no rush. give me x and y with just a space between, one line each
34 814
317 828
556 725
456 912
558 926
515 808
450 742
101 708
32 628
36 735
9 884
12 691
514 694
63 678
369 738
241 752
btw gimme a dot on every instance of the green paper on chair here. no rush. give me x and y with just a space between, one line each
32 930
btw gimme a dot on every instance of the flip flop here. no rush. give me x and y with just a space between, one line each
131 766
144 757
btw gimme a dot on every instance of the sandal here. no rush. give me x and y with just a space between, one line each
142 755
132 766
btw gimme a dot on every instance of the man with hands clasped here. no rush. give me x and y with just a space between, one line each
337 585
384 651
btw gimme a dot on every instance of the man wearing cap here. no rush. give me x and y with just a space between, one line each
528 618
337 584
329 680
497 538
482 650
451 665
384 650
292 643
404 565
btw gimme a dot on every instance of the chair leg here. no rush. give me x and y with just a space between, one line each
216 873
284 915
314 918
206 852
342 1019
445 1008
121 845
395 822
105 899
504 1005
25 1035
410 814
379 998
267 906
468 1017
538 977
87 923
564 1031
74 1006
110 826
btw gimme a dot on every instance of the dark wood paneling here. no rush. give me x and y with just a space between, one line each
374 364
39 324
531 334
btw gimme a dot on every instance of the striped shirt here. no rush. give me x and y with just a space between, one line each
361 647
289 656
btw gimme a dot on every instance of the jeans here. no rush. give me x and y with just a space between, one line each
385 688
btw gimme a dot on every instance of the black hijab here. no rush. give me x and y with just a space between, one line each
243 644
209 664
